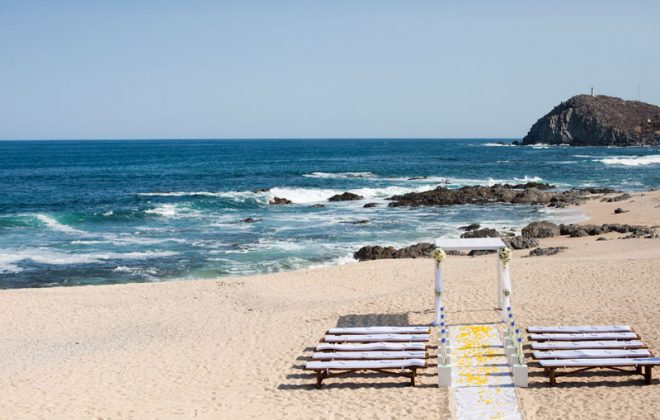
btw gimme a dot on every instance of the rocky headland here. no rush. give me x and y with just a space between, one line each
586 120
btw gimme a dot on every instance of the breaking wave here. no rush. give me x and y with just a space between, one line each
55 225
339 175
631 160
10 258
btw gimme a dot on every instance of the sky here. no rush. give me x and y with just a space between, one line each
314 69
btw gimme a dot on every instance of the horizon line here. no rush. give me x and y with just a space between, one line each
262 138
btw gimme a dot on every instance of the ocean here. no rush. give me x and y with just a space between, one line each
99 212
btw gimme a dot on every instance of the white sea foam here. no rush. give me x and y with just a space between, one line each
147 272
340 175
180 194
55 225
10 257
499 145
165 210
631 160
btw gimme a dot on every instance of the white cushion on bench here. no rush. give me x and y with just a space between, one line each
570 345
381 330
579 329
366 364
584 336
370 355
589 354
371 346
376 337
600 362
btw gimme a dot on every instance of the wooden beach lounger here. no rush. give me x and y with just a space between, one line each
590 347
397 351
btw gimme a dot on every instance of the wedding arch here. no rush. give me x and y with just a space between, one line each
474 244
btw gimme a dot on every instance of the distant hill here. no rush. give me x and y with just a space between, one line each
586 120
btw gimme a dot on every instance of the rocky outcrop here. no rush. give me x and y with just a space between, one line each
279 201
471 226
370 205
378 252
498 193
624 196
576 231
520 242
538 252
541 229
586 120
347 196
481 233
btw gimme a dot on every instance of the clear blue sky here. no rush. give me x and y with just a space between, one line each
334 68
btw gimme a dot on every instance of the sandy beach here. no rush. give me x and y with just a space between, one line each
235 347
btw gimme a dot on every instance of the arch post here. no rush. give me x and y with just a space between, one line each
438 293
500 296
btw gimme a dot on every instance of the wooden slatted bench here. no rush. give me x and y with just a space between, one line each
587 347
397 351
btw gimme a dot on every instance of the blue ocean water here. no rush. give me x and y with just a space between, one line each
93 212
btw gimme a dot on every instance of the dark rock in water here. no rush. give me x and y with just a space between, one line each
417 178
541 229
357 222
249 220
497 193
279 201
347 196
260 190
538 252
378 252
520 242
481 233
317 206
369 205
471 226
614 199
619 210
586 120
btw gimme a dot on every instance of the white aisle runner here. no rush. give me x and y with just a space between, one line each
482 385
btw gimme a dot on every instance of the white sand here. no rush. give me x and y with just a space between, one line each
234 348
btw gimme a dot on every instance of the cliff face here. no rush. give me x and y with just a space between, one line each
586 120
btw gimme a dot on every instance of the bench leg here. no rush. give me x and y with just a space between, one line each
412 377
648 374
319 379
551 375
638 369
